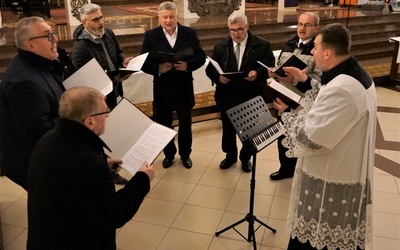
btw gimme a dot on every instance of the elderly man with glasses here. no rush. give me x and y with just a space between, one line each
29 94
239 51
93 40
300 45
72 202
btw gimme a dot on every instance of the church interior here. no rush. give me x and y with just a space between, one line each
185 207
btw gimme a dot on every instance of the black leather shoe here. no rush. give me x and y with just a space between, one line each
167 162
276 176
187 163
225 164
246 166
118 179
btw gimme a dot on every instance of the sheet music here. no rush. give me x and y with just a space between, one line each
396 39
90 75
133 137
148 147
137 62
284 90
216 65
229 75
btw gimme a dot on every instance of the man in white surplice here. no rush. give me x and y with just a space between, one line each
333 137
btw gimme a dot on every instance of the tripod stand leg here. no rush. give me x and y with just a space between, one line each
265 225
230 227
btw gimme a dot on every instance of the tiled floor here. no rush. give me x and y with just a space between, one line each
185 207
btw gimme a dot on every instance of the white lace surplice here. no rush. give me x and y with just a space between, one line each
331 203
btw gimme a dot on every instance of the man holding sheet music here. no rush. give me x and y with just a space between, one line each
173 80
93 40
239 52
29 94
72 202
334 138
300 46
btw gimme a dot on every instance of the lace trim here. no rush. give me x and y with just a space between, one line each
330 214
322 235
294 123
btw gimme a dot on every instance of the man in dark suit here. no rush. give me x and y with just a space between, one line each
72 202
173 81
29 94
240 51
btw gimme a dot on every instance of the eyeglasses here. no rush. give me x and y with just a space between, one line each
49 37
97 19
305 25
97 114
239 31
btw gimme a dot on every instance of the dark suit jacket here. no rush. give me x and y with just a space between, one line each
173 88
238 91
29 96
72 202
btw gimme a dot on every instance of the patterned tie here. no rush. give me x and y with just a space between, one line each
237 54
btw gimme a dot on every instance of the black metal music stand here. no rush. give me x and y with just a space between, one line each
249 119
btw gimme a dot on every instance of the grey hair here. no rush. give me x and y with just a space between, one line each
166 6
236 16
88 8
23 31
313 15
79 102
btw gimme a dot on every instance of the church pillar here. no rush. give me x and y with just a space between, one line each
72 8
183 9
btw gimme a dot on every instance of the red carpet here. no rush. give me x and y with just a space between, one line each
150 10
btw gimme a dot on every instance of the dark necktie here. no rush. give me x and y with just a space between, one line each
302 45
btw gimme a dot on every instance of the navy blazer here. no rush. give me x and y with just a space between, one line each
29 94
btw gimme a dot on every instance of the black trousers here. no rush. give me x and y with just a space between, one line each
163 115
229 141
287 165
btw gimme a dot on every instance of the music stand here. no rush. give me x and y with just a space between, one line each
249 119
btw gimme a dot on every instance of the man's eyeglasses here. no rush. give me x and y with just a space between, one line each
97 19
239 31
49 37
97 114
305 25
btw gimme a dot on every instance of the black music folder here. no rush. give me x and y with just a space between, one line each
287 94
229 75
134 65
162 57
293 61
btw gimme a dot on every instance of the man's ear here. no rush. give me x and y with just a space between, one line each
328 53
84 23
88 122
29 46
